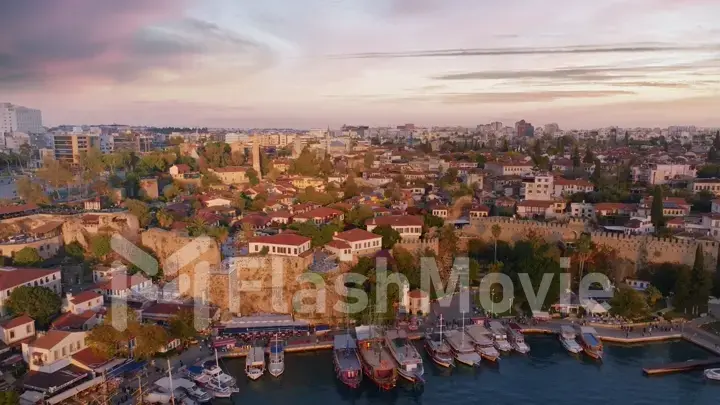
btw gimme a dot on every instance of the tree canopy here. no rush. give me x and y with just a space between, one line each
389 236
37 302
27 257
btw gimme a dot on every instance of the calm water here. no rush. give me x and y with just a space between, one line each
548 375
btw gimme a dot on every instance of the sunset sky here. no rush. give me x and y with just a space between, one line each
313 63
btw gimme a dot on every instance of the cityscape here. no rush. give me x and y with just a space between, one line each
202 205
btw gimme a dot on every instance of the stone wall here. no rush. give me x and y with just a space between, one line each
631 247
419 245
179 254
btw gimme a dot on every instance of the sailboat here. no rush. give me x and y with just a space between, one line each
437 349
375 359
277 357
409 362
215 372
480 337
347 362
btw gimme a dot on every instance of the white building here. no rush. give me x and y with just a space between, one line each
51 352
284 244
13 140
541 187
360 241
12 278
16 118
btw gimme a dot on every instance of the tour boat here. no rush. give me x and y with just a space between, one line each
409 362
255 363
276 366
567 338
197 374
437 349
517 340
347 363
500 336
195 392
481 338
218 389
376 361
712 374
590 342
462 348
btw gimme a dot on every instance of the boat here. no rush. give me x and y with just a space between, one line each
567 338
590 342
376 361
499 336
160 397
188 387
481 338
218 389
437 348
214 371
517 339
276 365
255 363
712 374
462 348
197 374
409 362
347 362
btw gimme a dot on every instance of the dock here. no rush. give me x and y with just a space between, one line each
681 366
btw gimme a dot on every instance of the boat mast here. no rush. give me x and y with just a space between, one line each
217 362
172 390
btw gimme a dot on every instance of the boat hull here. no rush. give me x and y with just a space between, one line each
385 384
712 374
276 371
349 376
572 349
468 359
443 361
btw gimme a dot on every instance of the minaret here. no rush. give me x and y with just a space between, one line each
256 156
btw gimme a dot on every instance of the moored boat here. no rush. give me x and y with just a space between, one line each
195 392
197 374
517 339
590 342
712 374
255 363
462 348
218 389
437 348
567 339
276 365
499 336
375 359
346 360
481 338
409 362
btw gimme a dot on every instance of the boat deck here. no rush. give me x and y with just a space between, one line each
403 350
376 356
457 340
347 359
479 335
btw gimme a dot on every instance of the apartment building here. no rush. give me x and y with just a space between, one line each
51 351
657 174
506 169
409 226
539 187
284 244
69 145
15 118
710 185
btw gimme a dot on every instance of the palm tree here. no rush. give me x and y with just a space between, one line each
653 296
197 226
582 250
165 219
496 231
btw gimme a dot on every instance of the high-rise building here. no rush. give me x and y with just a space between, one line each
523 128
256 156
69 145
14 118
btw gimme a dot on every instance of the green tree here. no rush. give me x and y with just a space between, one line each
407 264
575 157
351 188
39 303
432 221
27 257
583 249
682 291
100 246
140 210
496 230
368 160
9 397
700 282
165 219
182 325
656 209
589 158
252 175
55 174
628 303
653 296
358 215
171 191
31 192
389 236
75 250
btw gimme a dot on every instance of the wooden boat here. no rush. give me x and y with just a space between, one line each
590 342
376 360
481 338
408 360
437 348
255 363
346 360
517 339
462 348
567 338
499 336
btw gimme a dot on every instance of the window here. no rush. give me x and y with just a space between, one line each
12 334
28 328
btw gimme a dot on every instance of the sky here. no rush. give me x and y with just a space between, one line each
319 63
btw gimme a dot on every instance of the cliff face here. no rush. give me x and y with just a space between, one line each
78 228
180 254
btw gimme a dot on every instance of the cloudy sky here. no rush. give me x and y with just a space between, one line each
313 63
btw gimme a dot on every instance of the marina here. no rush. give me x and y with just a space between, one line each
482 339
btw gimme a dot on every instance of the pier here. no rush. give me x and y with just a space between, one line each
682 366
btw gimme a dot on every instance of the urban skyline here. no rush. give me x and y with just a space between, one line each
284 64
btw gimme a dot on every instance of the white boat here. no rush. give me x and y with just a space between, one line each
462 348
216 372
409 362
188 387
437 348
255 363
218 389
567 338
712 374
276 366
517 339
197 374
481 338
499 336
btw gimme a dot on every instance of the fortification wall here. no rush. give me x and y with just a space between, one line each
418 245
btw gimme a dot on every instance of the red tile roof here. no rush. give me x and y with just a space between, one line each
15 322
337 244
14 209
535 203
19 276
70 320
50 339
89 358
480 208
356 235
322 212
281 239
121 281
84 297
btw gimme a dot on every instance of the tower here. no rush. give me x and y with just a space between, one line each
256 156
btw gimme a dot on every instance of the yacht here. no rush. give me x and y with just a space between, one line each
178 389
712 374
276 366
409 362
197 374
376 361
218 389
590 342
567 338
517 339
255 363
499 336
462 348
437 348
346 360
193 391
214 371
481 338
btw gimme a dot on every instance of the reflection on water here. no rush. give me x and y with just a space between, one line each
548 375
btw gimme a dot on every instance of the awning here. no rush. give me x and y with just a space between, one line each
126 368
74 391
224 342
